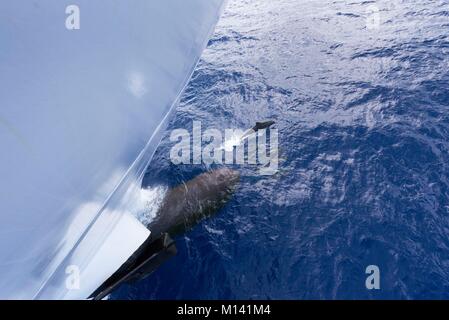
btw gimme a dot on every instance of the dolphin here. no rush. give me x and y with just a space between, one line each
187 204
182 208
259 126
263 125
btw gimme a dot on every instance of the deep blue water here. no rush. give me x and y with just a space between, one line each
363 120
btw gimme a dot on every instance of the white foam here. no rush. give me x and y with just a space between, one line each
150 200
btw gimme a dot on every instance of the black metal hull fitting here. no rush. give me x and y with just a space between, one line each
150 255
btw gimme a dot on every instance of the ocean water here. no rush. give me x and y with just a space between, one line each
362 111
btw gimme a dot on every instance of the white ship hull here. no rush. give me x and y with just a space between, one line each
85 97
